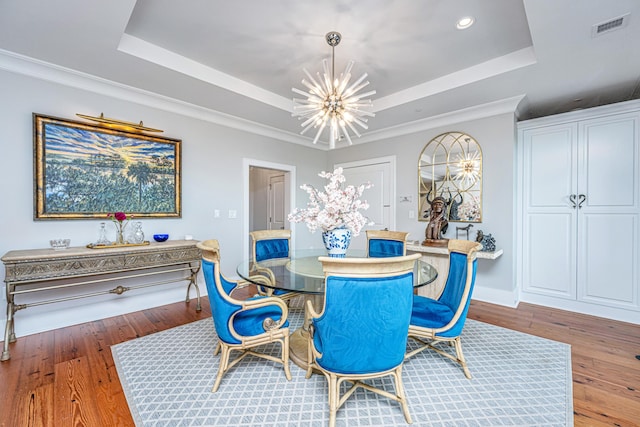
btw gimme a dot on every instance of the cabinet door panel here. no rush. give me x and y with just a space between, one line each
608 162
608 257
549 255
550 168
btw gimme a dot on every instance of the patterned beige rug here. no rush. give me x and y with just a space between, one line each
518 380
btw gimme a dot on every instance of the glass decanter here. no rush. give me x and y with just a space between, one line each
102 236
137 235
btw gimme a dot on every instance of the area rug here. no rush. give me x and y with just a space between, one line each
518 380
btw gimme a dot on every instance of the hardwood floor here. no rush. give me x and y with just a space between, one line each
67 376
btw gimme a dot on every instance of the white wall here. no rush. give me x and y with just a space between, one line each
496 136
211 179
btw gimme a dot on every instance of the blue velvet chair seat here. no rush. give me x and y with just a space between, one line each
429 313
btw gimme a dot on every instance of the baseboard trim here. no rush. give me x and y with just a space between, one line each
596 310
495 296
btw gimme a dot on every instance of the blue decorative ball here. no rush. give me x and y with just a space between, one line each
160 237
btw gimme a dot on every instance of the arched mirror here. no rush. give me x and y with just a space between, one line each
450 166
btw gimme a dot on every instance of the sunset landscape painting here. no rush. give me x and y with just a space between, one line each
85 171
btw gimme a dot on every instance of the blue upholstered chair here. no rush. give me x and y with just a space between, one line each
383 243
242 325
269 245
362 331
442 319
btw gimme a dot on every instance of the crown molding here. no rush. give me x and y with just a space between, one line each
481 111
42 70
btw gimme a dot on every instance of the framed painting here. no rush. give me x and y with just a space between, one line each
85 171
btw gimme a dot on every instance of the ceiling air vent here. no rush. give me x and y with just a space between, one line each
610 25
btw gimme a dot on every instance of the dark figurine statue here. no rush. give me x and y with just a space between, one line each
438 223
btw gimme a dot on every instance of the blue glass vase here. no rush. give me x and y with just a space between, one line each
337 242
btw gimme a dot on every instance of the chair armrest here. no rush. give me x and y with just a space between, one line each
260 302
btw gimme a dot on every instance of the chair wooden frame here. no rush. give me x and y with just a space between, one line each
398 236
365 268
428 337
274 332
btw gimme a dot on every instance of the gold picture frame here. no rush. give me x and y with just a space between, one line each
85 171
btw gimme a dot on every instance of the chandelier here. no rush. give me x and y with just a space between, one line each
332 103
467 167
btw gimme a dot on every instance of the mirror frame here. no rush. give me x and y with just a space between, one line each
458 171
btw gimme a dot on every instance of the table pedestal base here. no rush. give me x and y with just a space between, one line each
298 348
299 339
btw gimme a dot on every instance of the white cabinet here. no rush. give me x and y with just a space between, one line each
579 209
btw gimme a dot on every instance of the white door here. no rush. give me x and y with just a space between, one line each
608 211
549 253
378 172
276 202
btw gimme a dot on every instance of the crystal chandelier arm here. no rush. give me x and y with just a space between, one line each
320 129
353 128
360 123
307 128
347 69
300 92
356 90
313 81
363 95
356 111
313 89
350 90
343 83
304 103
312 119
345 133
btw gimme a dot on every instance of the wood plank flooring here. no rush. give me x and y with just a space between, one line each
67 377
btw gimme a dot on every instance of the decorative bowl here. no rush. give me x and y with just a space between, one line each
59 244
160 237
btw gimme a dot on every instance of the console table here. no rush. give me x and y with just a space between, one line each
34 270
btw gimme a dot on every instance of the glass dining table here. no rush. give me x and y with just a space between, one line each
302 273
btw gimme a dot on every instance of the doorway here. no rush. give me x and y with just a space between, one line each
268 197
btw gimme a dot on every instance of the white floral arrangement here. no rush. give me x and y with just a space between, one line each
469 211
337 207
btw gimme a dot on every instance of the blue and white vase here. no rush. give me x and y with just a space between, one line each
337 242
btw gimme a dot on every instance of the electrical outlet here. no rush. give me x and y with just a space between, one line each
233 213
216 213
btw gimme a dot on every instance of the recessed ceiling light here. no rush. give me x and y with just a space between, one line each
464 23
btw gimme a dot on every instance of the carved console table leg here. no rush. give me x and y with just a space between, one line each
193 280
9 331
